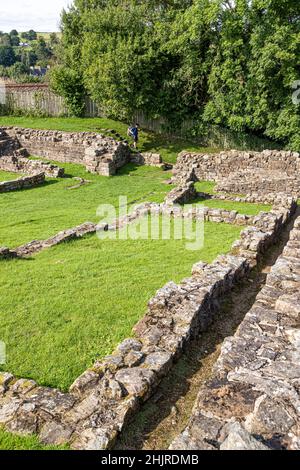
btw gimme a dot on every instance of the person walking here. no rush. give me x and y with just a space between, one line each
134 133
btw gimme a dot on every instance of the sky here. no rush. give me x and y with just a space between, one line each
22 15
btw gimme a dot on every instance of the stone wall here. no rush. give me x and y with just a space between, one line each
252 401
100 154
150 159
17 164
236 171
182 194
22 183
103 398
204 214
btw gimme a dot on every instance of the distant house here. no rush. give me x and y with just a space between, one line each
24 44
38 71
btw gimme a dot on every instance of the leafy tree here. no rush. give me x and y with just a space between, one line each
66 83
5 40
24 36
32 35
7 56
14 40
225 62
17 71
41 51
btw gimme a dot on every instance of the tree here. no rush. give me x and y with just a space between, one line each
24 36
53 40
5 40
68 84
41 51
32 35
14 39
7 56
225 62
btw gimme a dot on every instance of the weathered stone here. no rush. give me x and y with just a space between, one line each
133 358
239 439
270 416
289 305
159 362
85 382
94 439
23 386
53 433
136 381
129 344
25 182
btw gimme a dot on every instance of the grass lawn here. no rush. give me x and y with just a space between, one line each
6 176
72 304
242 207
43 211
76 301
168 147
10 441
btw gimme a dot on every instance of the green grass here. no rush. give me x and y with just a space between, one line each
241 207
6 176
73 303
168 147
10 441
207 187
43 211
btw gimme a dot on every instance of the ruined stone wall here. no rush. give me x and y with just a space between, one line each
252 401
150 159
103 398
22 183
243 172
100 154
17 164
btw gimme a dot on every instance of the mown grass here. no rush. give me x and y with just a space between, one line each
10 441
6 176
241 207
168 147
208 187
73 303
43 211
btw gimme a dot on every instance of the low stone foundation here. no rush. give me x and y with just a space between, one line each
182 194
235 171
252 402
100 154
22 183
150 159
17 164
204 214
103 398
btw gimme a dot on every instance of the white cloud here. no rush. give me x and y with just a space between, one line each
39 15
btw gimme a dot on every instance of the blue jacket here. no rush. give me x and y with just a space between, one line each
135 132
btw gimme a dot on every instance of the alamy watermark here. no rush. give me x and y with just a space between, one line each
296 94
173 224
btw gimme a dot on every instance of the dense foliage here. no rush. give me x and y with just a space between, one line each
20 51
227 62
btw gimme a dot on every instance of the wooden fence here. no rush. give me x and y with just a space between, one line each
39 100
